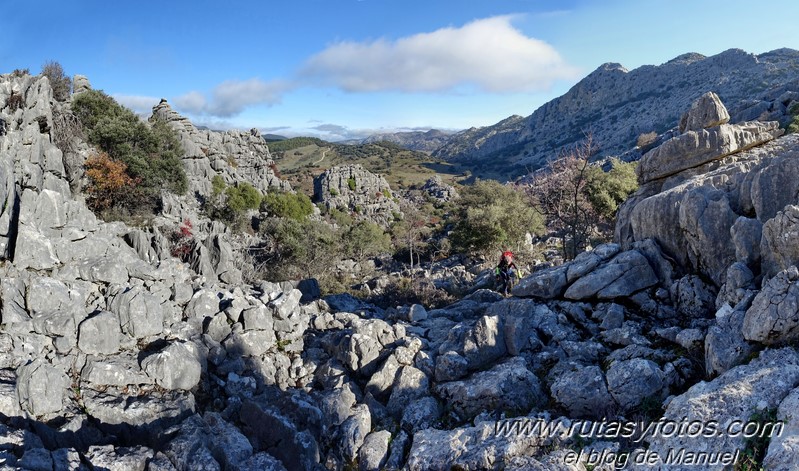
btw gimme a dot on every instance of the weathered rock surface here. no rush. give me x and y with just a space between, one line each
355 189
774 314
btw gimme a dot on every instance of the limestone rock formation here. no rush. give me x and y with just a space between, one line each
351 188
236 156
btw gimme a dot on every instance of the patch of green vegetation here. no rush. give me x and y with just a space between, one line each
793 126
755 447
351 184
288 205
295 143
152 154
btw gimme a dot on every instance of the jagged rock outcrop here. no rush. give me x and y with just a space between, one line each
437 189
688 213
236 156
351 188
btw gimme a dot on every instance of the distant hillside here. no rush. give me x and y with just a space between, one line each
422 141
616 106
300 159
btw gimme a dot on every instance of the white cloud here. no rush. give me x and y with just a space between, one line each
231 97
141 105
489 55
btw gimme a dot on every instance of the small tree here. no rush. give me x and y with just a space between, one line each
491 216
560 191
366 239
61 84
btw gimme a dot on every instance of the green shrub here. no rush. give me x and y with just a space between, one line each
793 126
607 190
300 249
351 183
243 197
288 205
152 153
491 216
366 239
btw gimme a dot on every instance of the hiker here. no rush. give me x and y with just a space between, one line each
505 272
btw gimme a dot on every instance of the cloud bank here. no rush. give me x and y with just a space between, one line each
231 97
489 55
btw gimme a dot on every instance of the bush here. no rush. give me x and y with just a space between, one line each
288 205
181 240
351 183
61 84
243 197
230 204
151 153
793 126
406 291
365 239
109 182
647 140
299 249
491 216
607 190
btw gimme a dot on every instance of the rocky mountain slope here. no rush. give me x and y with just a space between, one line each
617 106
422 141
114 355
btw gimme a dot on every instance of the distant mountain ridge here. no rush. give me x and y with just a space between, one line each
422 141
616 106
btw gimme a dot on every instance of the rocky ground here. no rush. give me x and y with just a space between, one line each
114 355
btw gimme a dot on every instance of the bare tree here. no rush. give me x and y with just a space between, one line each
560 193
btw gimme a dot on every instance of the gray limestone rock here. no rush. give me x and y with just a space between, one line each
583 392
373 453
546 284
783 448
778 245
696 147
693 297
174 367
353 188
119 371
421 414
625 274
119 458
774 314
41 387
506 386
734 396
99 334
632 381
746 236
725 345
140 313
707 111
485 343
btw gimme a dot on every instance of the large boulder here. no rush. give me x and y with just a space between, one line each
696 147
774 314
41 387
622 276
778 245
630 382
707 111
583 392
732 398
507 386
174 367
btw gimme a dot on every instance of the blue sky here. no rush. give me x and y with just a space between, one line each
348 68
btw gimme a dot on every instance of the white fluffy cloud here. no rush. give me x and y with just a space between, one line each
231 97
489 54
142 105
